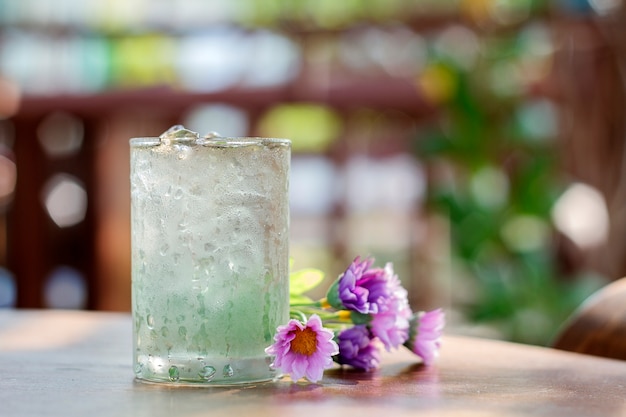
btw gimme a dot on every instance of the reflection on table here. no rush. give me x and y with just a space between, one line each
62 363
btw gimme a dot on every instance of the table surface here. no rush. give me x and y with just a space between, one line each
64 363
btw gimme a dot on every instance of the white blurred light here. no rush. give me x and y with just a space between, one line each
490 187
65 200
395 183
397 50
60 134
538 119
581 214
459 43
65 288
213 60
312 185
222 118
273 60
603 7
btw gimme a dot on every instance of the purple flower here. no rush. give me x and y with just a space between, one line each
391 324
362 288
425 334
303 349
357 348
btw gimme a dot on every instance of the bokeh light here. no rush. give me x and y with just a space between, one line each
65 200
65 288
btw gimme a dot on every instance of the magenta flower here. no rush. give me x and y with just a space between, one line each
425 334
391 325
303 349
362 288
357 348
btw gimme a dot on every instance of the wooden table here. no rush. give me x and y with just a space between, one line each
60 363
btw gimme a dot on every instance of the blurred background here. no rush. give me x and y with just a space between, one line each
476 144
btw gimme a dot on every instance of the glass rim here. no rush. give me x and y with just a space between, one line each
221 141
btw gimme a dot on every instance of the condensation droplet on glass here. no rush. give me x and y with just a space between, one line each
207 373
228 371
196 273
164 249
269 361
150 321
138 368
182 331
174 373
178 194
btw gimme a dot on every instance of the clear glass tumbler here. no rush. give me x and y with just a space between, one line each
209 226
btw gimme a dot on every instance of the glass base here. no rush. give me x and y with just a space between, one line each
204 371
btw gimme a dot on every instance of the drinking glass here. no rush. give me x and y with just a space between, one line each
209 232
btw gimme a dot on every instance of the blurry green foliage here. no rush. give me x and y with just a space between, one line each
497 181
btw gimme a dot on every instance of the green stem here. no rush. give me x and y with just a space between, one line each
327 317
313 304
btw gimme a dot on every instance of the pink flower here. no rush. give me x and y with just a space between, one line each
303 349
391 324
425 334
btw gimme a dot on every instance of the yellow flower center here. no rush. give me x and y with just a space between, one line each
344 315
305 342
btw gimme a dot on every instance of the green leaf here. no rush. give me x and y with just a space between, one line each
360 318
332 296
304 280
299 299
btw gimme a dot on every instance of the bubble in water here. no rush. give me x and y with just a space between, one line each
207 373
228 371
183 152
174 373
150 321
